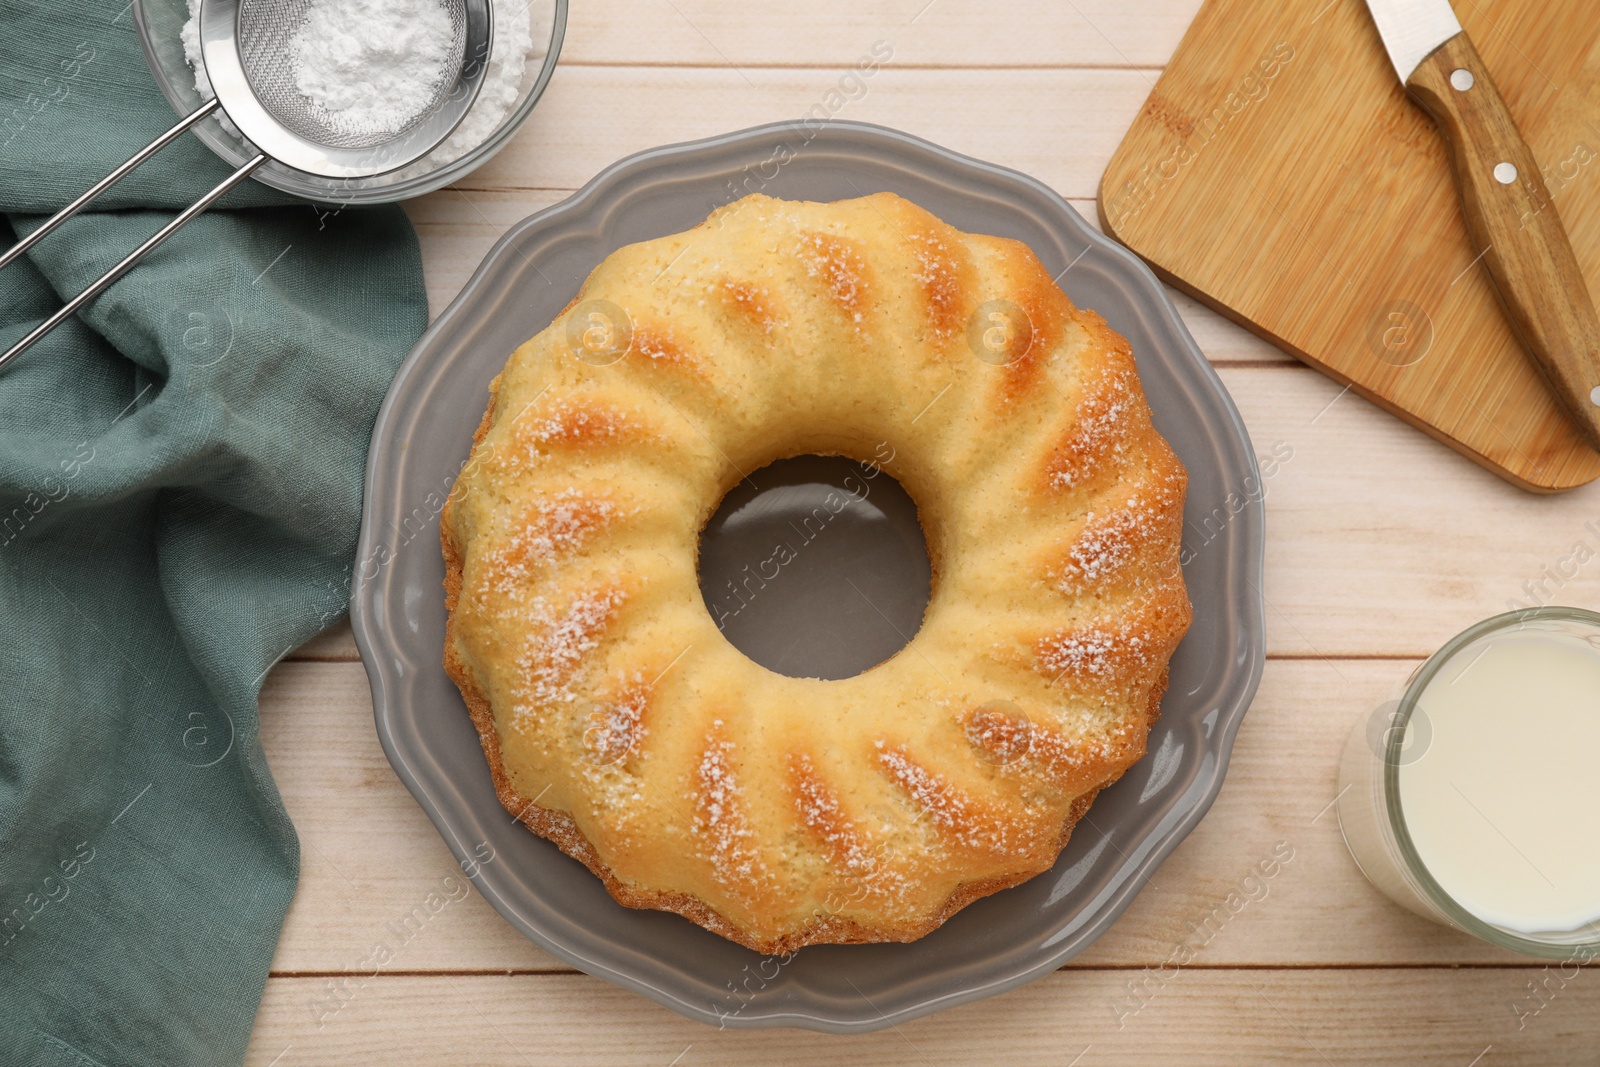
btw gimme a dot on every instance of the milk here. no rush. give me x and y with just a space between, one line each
1503 805
1496 783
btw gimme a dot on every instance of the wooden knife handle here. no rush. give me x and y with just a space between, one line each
1508 210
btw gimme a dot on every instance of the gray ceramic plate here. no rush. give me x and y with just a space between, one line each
422 437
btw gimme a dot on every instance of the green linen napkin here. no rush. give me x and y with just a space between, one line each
180 481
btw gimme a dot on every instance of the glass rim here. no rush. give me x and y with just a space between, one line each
1436 894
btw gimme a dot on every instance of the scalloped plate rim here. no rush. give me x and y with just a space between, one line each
591 210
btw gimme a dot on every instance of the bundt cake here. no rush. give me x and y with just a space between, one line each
781 812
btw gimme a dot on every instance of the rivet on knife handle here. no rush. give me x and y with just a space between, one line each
1509 211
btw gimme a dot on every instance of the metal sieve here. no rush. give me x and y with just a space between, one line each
245 47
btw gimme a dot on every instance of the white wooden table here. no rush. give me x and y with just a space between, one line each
1382 544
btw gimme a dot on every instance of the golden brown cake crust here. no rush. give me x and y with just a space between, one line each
1123 551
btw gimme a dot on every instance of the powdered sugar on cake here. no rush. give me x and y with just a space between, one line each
1109 540
1101 430
618 725
959 818
559 527
561 637
721 823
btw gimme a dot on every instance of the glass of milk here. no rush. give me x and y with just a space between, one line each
1473 799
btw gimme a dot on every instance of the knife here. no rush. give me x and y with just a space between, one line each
1503 195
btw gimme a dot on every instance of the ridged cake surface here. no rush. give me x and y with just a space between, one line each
779 812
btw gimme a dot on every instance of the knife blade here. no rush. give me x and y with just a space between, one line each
1411 30
1508 209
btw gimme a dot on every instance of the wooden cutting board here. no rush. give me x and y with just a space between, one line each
1279 173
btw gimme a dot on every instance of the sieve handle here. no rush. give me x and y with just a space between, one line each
107 182
133 257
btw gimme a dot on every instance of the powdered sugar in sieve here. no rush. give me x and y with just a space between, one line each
363 61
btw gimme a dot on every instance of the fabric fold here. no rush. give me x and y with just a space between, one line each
180 487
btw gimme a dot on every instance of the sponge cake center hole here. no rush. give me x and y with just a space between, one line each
816 567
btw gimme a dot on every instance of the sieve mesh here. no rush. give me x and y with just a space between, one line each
265 31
